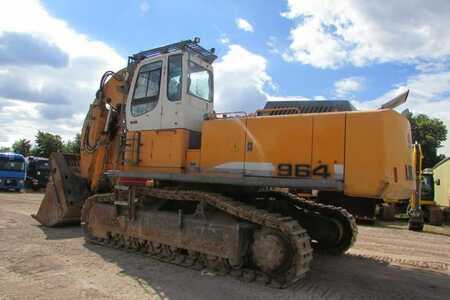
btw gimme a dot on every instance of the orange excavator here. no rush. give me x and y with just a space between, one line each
161 172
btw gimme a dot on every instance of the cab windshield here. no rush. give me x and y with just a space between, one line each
427 186
12 165
42 165
146 91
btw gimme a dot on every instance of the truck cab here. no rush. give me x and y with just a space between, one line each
38 170
12 171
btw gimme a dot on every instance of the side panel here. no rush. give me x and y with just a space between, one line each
329 145
223 143
159 150
364 157
397 152
276 145
377 156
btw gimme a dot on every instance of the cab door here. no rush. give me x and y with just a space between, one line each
186 92
172 95
144 103
199 91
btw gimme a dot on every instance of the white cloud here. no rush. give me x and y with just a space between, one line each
224 39
286 98
144 6
240 79
53 95
244 25
331 33
429 94
272 44
345 87
241 82
312 45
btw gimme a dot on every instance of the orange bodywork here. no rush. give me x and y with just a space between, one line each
377 152
364 149
369 152
158 150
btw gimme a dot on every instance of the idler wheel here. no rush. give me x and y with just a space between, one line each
272 252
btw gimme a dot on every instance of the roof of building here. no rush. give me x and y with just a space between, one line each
441 162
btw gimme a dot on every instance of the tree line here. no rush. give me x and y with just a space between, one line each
44 144
431 133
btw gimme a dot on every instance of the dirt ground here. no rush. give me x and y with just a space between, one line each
387 262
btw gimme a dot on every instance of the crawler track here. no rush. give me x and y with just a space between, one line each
300 208
298 239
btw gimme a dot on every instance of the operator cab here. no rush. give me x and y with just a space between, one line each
172 87
427 189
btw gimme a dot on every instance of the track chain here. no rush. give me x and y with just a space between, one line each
330 211
297 235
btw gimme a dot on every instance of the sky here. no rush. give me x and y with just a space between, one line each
53 53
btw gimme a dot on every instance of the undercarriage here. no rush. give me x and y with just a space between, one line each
264 238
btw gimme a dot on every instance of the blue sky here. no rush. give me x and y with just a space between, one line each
366 52
128 28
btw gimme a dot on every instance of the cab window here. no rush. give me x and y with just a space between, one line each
174 77
200 82
146 91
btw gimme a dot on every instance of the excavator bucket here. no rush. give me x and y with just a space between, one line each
65 193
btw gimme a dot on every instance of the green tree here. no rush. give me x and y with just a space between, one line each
47 143
22 146
430 133
5 149
73 146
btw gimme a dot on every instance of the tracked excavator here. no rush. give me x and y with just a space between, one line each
162 173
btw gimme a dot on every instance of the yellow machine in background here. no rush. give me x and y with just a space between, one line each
423 207
433 214
415 212
161 172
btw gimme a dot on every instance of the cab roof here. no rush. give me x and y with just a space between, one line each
12 156
187 45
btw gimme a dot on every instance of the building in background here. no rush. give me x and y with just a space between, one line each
441 176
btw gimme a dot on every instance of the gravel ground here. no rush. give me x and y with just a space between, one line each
387 262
